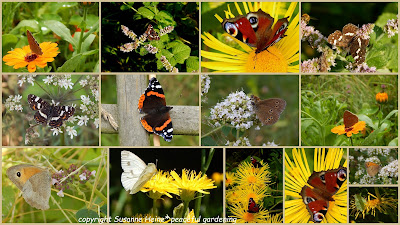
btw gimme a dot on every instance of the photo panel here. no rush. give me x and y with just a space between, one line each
374 166
54 185
150 37
358 37
166 106
50 110
316 185
349 110
254 185
250 110
247 37
47 37
374 205
166 185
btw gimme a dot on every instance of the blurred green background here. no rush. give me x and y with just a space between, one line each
284 133
78 198
178 89
125 205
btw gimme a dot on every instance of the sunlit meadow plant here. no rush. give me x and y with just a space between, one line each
77 91
56 28
371 47
251 182
383 166
373 205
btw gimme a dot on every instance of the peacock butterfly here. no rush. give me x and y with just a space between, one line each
253 206
349 120
255 29
255 163
325 184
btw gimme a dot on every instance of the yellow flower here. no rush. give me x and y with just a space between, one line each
383 205
240 211
355 129
191 218
159 185
230 179
281 57
21 57
295 209
217 177
247 175
190 183
381 97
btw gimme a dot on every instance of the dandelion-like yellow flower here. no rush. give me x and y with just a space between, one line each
355 129
296 176
246 175
21 57
159 185
190 218
381 97
240 211
281 57
190 183
230 179
383 204
217 177
256 193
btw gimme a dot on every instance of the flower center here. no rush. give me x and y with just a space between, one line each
251 179
269 60
249 217
31 57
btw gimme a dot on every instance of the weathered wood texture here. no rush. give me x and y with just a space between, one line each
185 119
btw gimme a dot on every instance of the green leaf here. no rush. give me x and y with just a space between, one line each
31 25
61 30
394 142
103 209
181 53
390 114
145 12
192 63
71 64
8 198
86 213
165 18
9 40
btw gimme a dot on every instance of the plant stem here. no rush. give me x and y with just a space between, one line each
351 140
154 209
209 133
205 163
85 10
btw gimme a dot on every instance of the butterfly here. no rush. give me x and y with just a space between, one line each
349 120
349 39
54 115
152 102
255 29
324 185
253 207
136 172
255 163
268 111
33 44
372 168
151 33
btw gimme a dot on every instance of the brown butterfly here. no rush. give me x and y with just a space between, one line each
349 119
151 33
268 110
33 44
372 168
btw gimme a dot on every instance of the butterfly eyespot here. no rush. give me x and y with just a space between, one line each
283 26
307 200
276 106
270 111
18 174
322 176
231 29
271 117
318 217
253 19
276 103
342 175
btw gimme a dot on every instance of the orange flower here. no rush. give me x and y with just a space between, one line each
381 97
355 129
21 57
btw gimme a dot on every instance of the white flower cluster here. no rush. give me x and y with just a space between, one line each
242 141
390 170
235 110
392 27
205 84
63 81
90 103
26 78
13 103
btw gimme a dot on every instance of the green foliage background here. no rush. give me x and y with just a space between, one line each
325 98
181 47
55 22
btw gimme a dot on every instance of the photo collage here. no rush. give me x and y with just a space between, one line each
285 112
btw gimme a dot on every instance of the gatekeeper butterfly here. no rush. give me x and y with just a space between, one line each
372 168
268 111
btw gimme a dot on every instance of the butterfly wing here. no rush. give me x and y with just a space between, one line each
272 36
59 114
37 190
372 168
33 44
241 29
253 207
349 119
358 49
151 33
136 173
316 206
268 111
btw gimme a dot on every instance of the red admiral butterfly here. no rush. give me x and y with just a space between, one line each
325 184
253 207
151 33
152 102
52 114
349 38
255 29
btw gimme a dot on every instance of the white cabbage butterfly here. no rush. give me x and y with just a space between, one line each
136 172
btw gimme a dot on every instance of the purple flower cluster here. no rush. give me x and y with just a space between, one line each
62 179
